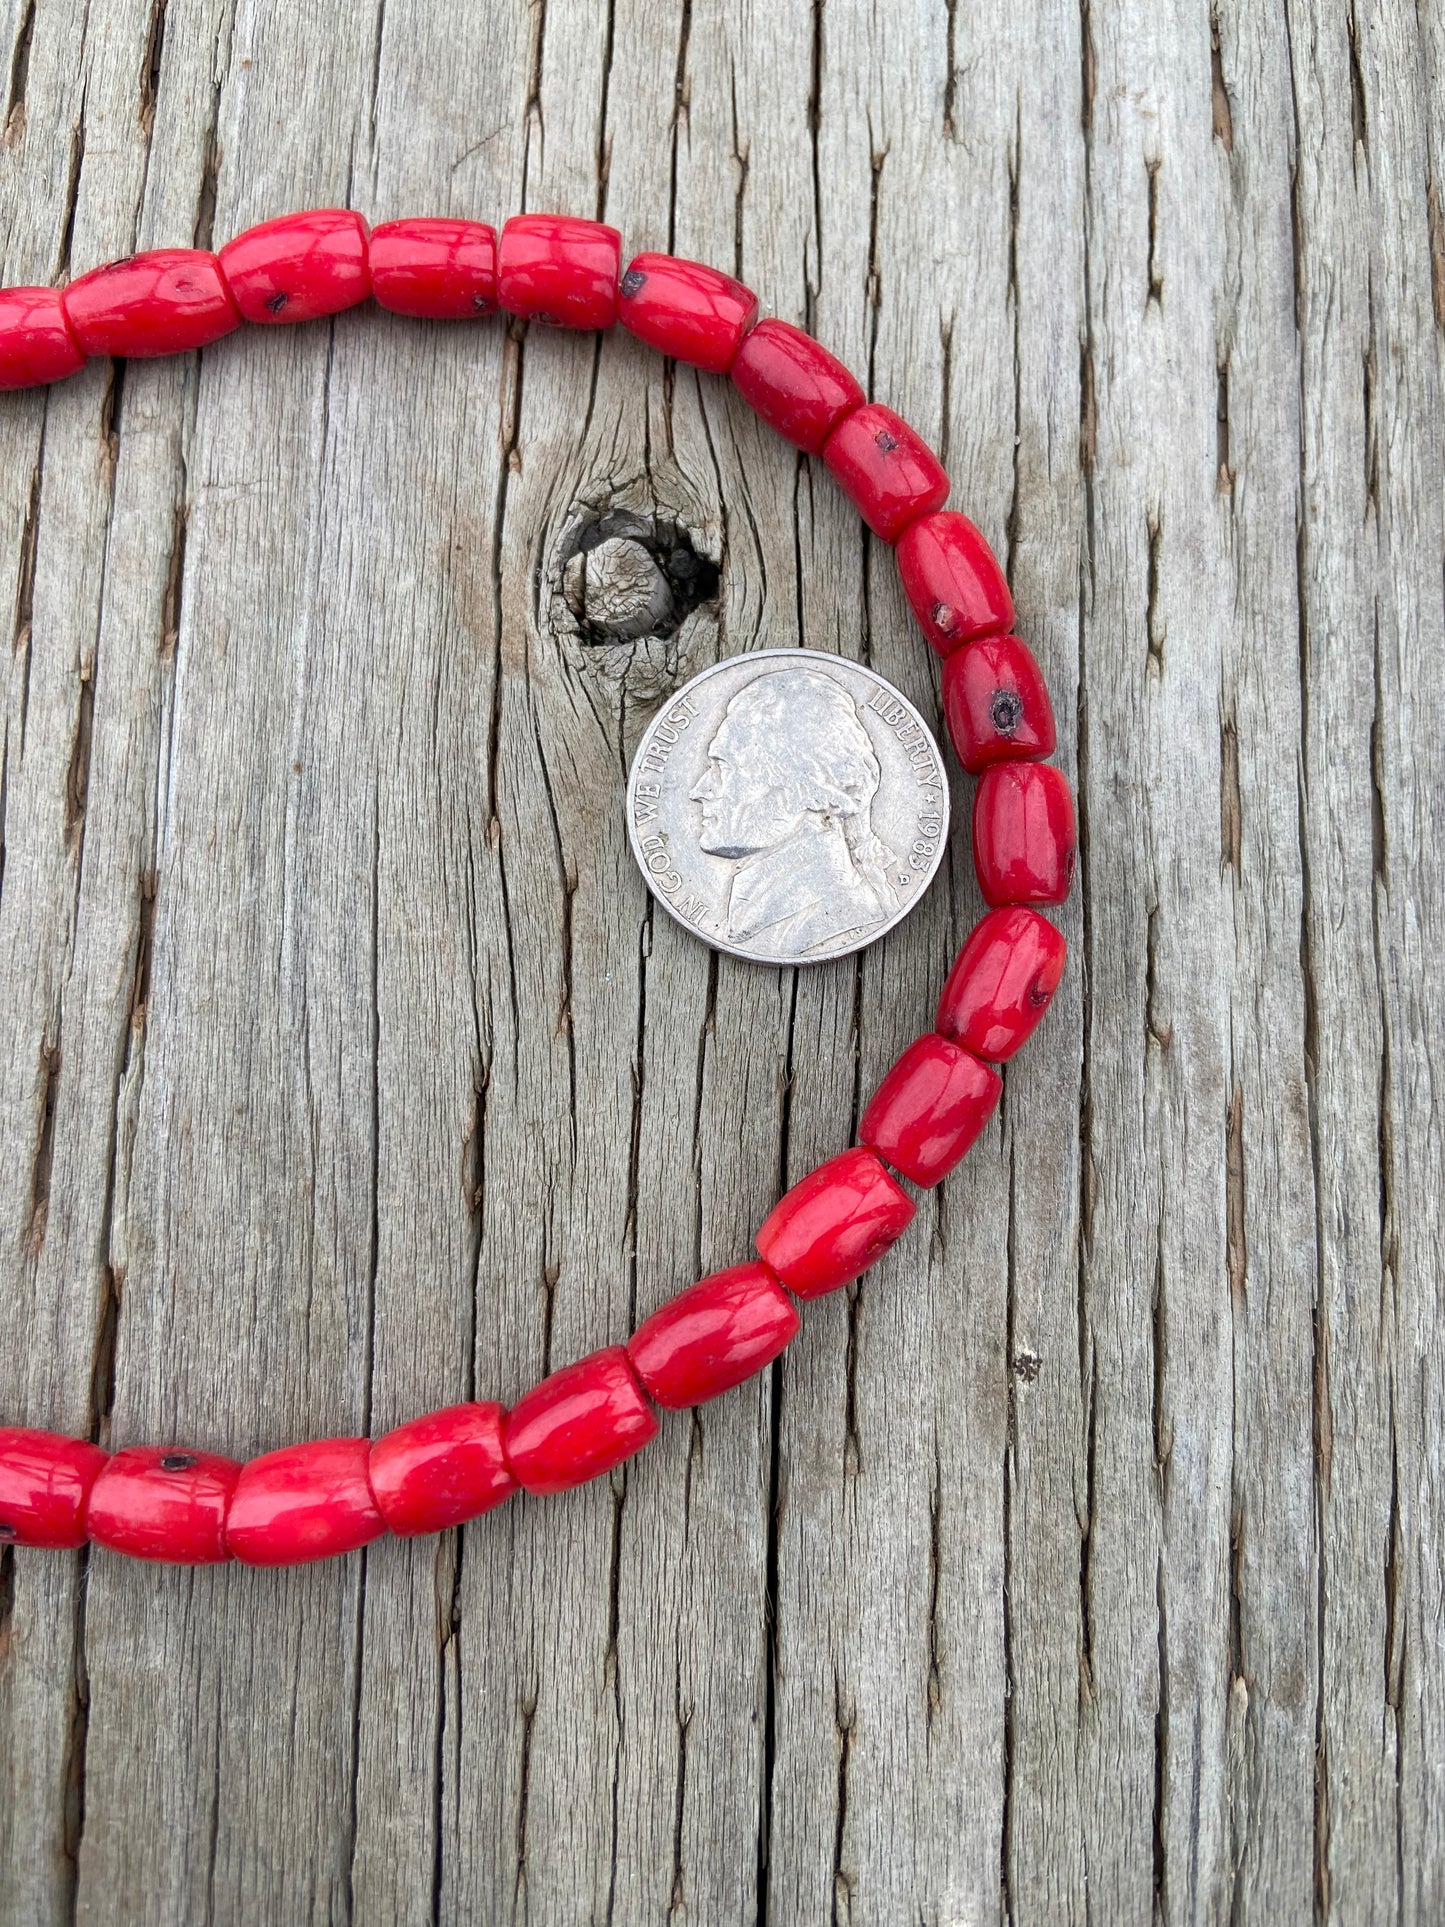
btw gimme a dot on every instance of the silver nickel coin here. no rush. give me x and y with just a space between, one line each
788 806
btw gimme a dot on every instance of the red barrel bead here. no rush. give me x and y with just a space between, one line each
833 1223
553 268
578 1423
930 1109
36 344
953 581
1023 834
1002 982
164 1502
795 385
300 266
996 703
713 1336
45 1482
886 469
303 1502
163 302
436 1471
443 270
683 309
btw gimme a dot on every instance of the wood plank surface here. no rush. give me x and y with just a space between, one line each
1087 1561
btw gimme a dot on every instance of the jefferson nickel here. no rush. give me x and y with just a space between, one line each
788 806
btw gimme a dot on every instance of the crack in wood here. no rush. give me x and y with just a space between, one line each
604 138
71 199
681 114
150 70
77 1742
14 123
1221 114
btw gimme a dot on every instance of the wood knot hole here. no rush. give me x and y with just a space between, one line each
626 575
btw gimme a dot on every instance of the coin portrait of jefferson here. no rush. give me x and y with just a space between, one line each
788 795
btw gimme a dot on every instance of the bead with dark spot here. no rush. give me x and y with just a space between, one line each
885 468
1001 983
178 1461
8 1534
687 311
300 266
996 704
953 581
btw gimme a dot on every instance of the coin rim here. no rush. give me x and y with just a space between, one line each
791 655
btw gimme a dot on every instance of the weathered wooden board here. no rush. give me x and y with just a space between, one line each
1087 1562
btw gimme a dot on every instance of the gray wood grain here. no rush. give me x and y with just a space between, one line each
1086 1561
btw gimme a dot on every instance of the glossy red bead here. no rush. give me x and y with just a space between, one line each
160 303
1002 982
578 1423
996 703
303 1502
45 1482
953 581
713 1336
1024 839
930 1109
833 1223
36 344
888 471
436 1471
688 311
795 385
300 266
164 1502
553 268
443 270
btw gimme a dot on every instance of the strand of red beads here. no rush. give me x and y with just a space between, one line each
328 1496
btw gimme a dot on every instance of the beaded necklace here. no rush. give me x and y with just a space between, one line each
329 1496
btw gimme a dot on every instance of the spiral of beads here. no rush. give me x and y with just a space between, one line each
328 1496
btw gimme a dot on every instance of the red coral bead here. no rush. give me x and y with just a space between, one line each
693 313
1002 982
436 1471
1023 834
996 703
833 1223
553 268
795 385
930 1108
36 344
45 1481
712 1336
161 303
443 270
299 266
578 1423
303 1502
164 1502
886 469
953 581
